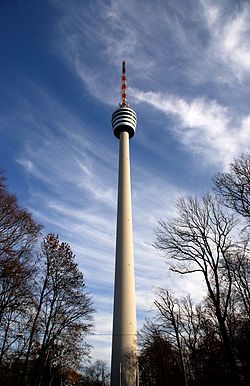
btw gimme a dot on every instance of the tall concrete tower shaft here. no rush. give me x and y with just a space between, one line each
124 344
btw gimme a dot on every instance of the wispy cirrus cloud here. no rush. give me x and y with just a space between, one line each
160 47
203 126
165 52
229 34
149 41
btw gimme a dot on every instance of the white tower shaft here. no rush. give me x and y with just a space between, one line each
123 367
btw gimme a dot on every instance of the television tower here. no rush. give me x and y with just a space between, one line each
124 340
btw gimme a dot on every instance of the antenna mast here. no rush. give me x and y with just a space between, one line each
124 102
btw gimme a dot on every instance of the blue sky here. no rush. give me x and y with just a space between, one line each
188 69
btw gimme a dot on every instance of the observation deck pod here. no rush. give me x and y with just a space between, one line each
124 119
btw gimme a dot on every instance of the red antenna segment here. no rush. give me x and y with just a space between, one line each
124 86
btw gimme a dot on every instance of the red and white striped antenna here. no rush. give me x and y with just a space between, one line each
124 86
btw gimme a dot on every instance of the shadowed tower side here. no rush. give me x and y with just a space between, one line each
124 339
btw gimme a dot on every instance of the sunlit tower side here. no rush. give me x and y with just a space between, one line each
124 338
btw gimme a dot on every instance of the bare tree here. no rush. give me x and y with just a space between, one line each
45 311
170 319
180 320
18 236
158 358
240 268
234 187
96 374
200 240
64 308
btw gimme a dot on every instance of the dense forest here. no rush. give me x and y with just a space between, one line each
46 312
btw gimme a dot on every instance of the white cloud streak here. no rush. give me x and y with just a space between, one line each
203 126
226 56
213 48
